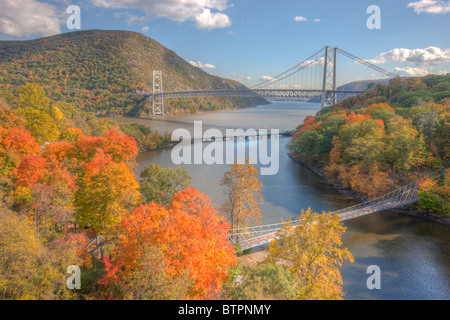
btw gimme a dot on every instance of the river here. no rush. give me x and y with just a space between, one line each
413 254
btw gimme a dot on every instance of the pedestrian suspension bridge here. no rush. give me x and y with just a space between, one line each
251 237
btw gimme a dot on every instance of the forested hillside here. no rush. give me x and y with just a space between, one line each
96 70
379 140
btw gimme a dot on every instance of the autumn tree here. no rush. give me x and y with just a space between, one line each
15 144
244 198
434 195
312 251
428 121
381 111
71 134
160 184
356 155
108 189
119 146
8 120
32 95
180 251
29 268
45 190
404 146
264 281
39 117
40 124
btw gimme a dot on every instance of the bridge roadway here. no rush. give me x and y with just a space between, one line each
265 93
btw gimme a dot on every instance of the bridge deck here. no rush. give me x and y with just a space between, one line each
265 93
266 238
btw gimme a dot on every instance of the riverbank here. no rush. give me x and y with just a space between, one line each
160 147
170 114
403 210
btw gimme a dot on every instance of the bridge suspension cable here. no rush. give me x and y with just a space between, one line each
300 68
368 64
300 65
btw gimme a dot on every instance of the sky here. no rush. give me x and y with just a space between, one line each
248 40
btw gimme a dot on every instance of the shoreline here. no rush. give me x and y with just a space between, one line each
151 117
401 210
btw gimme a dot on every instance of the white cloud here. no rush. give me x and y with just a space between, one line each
427 55
23 18
241 77
202 65
146 28
311 63
265 78
208 20
316 20
415 72
430 6
300 19
178 10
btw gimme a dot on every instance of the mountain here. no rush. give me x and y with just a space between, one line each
96 69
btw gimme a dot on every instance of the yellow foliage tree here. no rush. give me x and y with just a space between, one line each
312 251
244 197
30 269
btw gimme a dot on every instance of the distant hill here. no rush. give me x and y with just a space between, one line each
361 84
96 69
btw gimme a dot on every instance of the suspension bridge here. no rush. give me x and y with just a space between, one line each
251 237
313 78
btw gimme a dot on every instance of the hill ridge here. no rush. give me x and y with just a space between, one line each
97 68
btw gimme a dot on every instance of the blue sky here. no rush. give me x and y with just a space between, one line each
248 39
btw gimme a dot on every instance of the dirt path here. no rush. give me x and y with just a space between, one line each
255 256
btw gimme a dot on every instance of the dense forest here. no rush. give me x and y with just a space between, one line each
384 138
49 120
98 70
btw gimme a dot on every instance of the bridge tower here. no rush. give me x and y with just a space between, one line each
329 95
157 103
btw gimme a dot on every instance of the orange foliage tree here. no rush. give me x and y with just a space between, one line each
45 190
185 244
